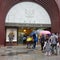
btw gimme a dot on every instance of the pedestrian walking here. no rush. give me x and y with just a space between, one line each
29 41
54 41
42 40
35 40
47 46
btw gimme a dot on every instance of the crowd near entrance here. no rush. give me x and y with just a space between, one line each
24 32
24 18
32 36
29 23
35 13
19 35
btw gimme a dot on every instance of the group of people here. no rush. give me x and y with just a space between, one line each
49 44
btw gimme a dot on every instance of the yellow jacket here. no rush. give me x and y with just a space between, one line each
29 39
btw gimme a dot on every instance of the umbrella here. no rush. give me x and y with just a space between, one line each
32 33
38 31
45 32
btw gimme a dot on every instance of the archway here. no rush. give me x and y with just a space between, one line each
27 15
49 5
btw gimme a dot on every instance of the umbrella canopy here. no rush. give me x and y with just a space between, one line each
45 32
32 33
38 31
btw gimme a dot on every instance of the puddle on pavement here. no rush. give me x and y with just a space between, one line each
15 53
8 52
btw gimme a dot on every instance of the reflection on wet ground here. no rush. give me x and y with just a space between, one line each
22 53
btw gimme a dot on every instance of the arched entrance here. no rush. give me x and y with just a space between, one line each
49 5
23 17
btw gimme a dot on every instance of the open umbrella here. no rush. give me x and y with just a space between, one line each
38 31
45 32
32 33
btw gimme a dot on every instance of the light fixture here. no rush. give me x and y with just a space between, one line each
24 30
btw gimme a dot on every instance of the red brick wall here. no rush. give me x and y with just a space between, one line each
58 3
49 5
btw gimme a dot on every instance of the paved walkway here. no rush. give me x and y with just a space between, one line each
22 53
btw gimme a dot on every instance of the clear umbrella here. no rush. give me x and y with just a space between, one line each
38 31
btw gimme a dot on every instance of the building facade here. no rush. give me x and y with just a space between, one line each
51 6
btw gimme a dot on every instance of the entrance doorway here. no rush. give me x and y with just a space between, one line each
23 33
26 31
28 15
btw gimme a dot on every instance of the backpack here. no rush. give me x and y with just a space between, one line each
54 40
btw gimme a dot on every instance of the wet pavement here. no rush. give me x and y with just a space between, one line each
22 53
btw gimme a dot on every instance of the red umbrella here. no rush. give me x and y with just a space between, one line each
45 32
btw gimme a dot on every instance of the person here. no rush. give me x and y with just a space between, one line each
35 40
24 39
47 46
29 40
54 41
42 39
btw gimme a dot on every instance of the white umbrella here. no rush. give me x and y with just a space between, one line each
38 31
